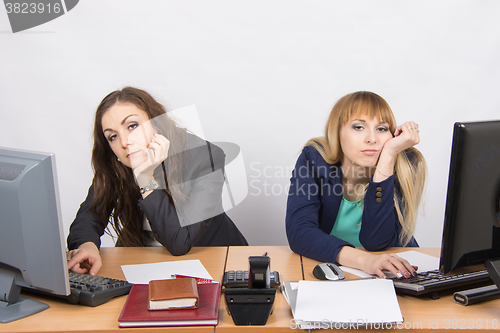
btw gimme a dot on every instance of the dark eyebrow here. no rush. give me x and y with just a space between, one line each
123 122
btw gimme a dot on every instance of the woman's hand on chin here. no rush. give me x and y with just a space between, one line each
156 153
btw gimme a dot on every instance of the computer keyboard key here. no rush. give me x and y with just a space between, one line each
95 290
433 281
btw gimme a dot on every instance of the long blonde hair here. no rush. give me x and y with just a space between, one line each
409 174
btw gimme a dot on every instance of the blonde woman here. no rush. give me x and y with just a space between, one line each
358 186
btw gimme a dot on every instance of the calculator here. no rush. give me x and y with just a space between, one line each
239 279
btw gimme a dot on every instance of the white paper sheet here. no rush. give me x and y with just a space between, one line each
357 301
424 262
143 273
356 272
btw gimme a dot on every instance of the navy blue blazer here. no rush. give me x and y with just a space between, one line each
313 203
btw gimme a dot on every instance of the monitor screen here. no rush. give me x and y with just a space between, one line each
471 232
32 248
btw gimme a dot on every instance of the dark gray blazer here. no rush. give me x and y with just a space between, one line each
169 226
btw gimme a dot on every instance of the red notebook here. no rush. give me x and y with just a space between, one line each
135 312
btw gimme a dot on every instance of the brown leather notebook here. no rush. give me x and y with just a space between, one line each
173 294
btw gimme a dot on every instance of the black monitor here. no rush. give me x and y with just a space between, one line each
471 232
32 248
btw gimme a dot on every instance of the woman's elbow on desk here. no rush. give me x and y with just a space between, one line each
178 250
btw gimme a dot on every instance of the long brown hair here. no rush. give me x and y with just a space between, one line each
115 190
409 175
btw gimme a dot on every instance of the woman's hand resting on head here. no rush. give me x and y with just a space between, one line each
84 259
405 136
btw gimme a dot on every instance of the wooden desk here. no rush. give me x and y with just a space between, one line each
420 313
424 313
289 267
63 317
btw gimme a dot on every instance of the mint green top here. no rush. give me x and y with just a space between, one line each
348 223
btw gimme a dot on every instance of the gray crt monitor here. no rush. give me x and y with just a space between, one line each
32 248
471 232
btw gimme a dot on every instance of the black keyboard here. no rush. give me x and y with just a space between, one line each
432 281
89 290
94 290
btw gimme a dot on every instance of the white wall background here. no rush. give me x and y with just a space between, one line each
262 74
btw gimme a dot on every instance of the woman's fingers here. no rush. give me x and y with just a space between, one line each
394 264
158 147
405 136
401 267
413 131
76 259
84 259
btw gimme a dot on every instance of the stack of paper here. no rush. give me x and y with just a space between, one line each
370 303
143 273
